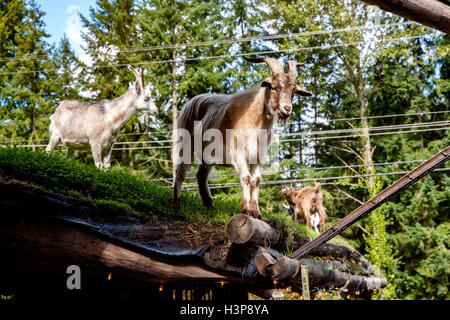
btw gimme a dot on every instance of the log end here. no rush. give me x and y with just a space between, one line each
239 229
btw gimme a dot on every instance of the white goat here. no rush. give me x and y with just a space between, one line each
80 125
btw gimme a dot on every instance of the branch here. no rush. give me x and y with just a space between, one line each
429 12
350 196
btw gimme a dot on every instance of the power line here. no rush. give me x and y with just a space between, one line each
5 143
233 55
371 135
162 133
228 41
391 116
376 128
317 179
263 52
307 169
306 133
314 139
268 37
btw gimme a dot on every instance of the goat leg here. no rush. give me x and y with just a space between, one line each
179 174
255 170
202 179
69 153
97 154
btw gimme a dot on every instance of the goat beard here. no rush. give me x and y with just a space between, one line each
280 119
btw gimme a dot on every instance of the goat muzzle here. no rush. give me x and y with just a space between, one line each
285 111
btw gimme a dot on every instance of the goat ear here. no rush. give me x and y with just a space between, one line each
138 87
267 83
300 91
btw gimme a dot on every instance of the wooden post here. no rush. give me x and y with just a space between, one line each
305 282
244 229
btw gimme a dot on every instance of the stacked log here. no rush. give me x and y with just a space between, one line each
245 229
271 264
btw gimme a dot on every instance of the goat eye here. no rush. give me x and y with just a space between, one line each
146 99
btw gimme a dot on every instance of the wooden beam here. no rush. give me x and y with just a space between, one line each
51 238
432 13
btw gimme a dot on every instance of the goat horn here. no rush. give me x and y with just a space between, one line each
293 67
136 74
273 64
142 77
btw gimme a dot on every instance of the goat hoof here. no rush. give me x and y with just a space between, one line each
247 212
257 215
253 214
208 204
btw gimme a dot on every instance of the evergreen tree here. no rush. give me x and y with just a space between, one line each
27 73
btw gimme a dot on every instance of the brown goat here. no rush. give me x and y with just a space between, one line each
306 202
254 110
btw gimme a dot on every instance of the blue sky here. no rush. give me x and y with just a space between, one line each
62 17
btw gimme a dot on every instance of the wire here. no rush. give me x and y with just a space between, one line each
309 169
371 135
317 179
232 55
313 139
5 143
331 120
228 41
376 128
391 115
268 37
263 52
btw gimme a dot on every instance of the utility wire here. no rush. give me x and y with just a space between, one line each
268 37
307 169
232 55
228 41
162 133
417 125
317 179
6 143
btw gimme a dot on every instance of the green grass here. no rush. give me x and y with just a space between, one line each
118 187
127 190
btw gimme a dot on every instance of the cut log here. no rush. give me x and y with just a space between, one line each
432 13
244 229
216 258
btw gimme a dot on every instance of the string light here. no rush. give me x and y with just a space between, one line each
109 276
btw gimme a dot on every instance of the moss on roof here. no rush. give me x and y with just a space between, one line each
127 191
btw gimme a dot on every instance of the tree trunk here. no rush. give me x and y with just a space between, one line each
366 138
174 102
